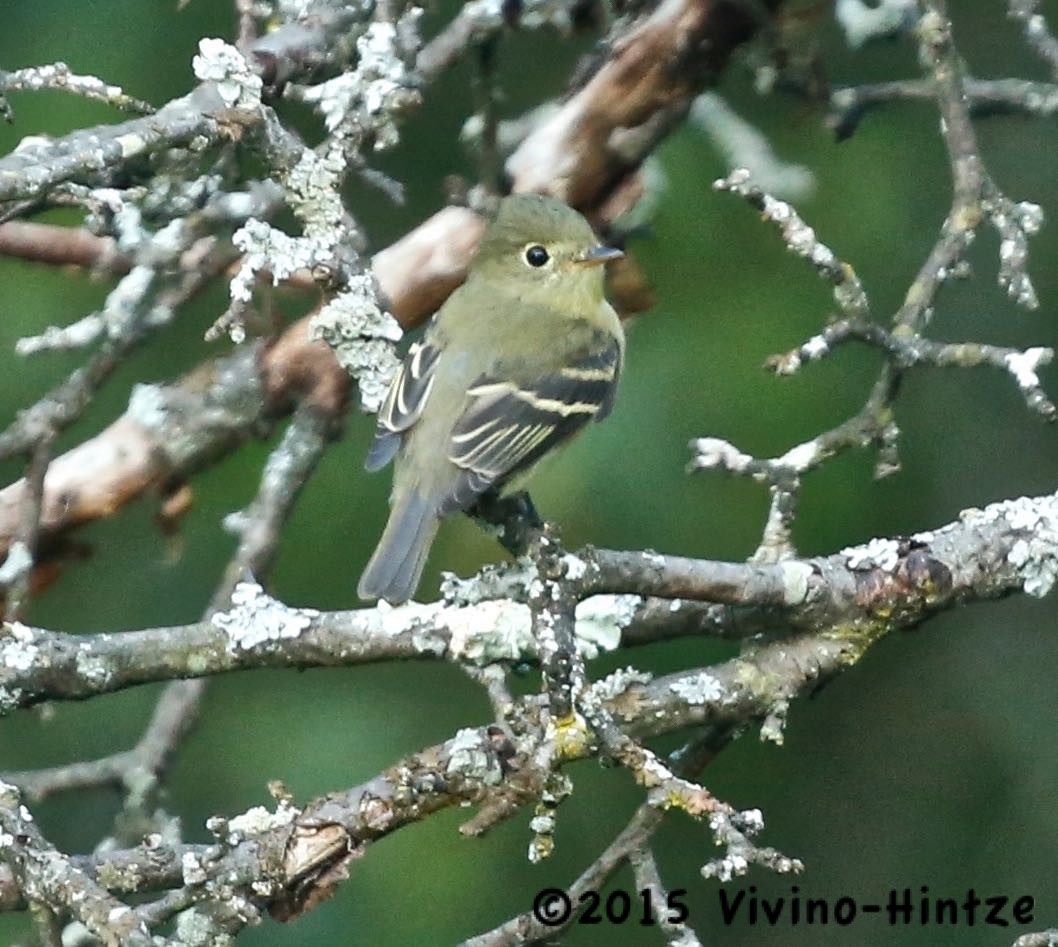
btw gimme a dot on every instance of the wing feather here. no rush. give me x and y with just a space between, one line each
506 427
405 400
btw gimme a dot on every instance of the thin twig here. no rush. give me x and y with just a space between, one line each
18 567
975 199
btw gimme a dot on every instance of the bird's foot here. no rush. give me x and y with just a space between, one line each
511 517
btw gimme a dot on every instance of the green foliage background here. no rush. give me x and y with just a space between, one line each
933 762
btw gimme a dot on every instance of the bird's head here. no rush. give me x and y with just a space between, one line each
538 247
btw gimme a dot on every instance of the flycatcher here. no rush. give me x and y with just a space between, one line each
523 355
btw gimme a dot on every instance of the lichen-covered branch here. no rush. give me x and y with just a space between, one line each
289 859
58 76
624 598
48 877
914 351
801 239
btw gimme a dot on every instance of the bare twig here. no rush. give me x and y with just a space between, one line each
648 878
975 199
529 929
984 97
801 239
17 570
909 352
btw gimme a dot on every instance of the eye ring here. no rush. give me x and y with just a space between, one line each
536 255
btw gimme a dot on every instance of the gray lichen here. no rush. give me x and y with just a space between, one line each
701 689
1036 555
600 621
881 554
362 335
469 756
256 618
258 820
368 99
237 83
18 652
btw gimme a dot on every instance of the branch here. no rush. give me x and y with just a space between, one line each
48 877
909 352
294 50
846 602
32 170
169 432
851 599
975 200
849 105
643 89
528 929
888 583
58 76
62 246
1038 35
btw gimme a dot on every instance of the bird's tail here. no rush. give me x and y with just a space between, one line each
396 566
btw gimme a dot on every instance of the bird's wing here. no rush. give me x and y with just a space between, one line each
507 426
407 396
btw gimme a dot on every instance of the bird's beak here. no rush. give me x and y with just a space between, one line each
596 256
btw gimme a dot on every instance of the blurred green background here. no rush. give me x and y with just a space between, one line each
934 762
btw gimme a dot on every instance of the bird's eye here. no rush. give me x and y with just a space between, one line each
536 255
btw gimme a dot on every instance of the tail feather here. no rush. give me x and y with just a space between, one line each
396 566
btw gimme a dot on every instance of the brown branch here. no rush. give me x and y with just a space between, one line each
417 273
171 431
61 246
18 569
645 86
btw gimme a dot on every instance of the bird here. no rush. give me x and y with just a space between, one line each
518 359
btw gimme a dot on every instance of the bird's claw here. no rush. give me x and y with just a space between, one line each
512 518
